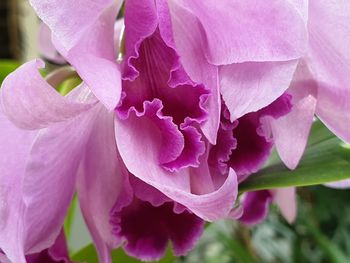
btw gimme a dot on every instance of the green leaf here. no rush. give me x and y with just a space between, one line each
68 85
334 254
6 67
326 159
236 248
70 217
89 255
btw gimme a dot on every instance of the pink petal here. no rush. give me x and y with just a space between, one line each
143 162
170 140
69 20
248 87
329 62
31 103
99 182
285 198
291 140
44 182
240 31
256 207
95 52
344 184
83 34
15 145
49 180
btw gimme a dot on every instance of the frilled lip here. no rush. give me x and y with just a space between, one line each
163 222
153 74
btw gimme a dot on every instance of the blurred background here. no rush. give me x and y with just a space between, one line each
321 232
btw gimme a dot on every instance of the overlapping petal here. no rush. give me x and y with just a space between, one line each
43 185
249 87
83 34
291 140
31 103
99 182
58 252
189 45
15 146
143 162
153 72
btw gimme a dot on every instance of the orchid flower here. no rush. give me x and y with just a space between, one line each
53 145
192 107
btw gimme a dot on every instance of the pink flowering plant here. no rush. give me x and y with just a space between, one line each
186 112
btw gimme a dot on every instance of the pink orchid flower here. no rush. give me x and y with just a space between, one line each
157 137
53 144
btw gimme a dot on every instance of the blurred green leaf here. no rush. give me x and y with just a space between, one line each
68 85
6 67
237 249
70 217
334 254
89 255
326 159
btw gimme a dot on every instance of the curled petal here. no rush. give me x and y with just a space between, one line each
94 57
82 32
193 148
169 140
31 103
143 162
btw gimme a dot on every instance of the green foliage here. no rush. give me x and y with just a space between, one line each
320 234
326 159
68 85
6 67
89 255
